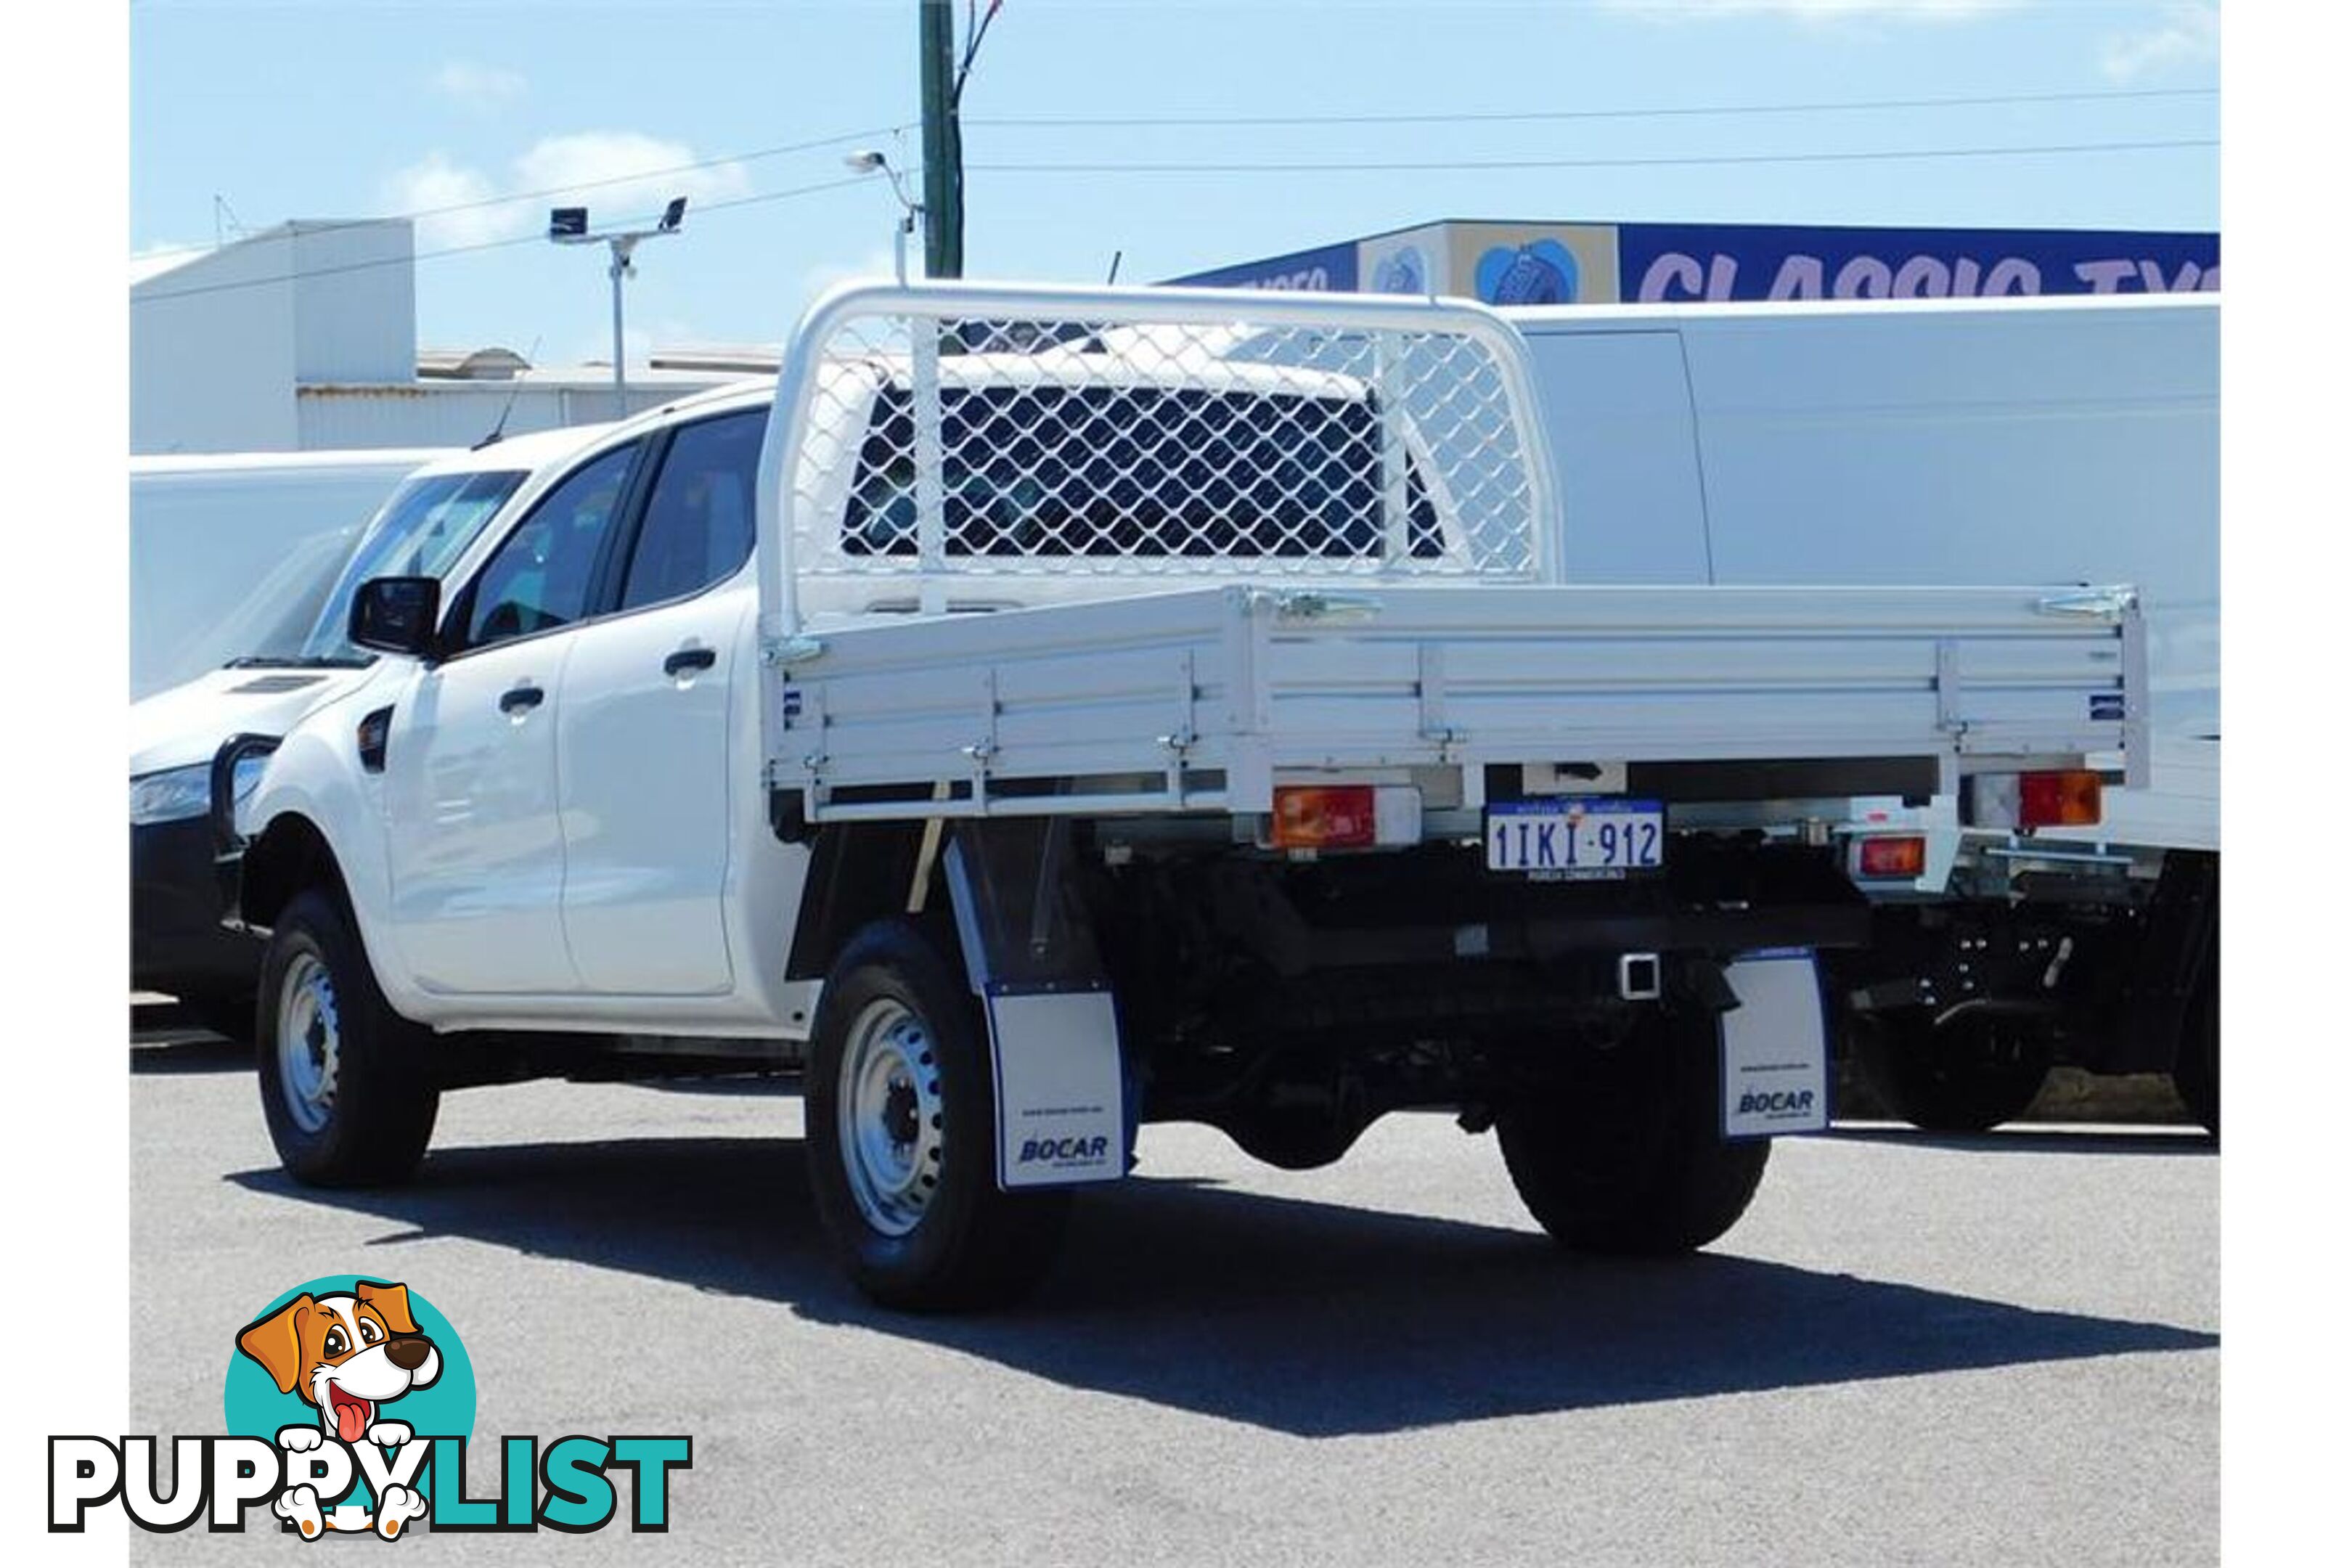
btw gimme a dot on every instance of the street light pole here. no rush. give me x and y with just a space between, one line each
867 160
569 226
619 269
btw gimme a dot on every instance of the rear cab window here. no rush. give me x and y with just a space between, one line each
1095 471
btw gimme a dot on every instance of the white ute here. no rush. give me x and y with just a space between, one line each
1052 710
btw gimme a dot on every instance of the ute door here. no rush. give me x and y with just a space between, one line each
644 740
476 839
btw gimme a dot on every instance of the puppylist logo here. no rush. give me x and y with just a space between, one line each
348 1402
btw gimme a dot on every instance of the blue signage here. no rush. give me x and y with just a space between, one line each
1752 261
1328 267
1541 273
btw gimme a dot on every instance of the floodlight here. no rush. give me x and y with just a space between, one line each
569 226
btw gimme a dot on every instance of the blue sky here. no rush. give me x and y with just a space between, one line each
342 110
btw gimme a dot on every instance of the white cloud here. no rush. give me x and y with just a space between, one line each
1823 10
624 173
477 86
2189 35
434 185
617 174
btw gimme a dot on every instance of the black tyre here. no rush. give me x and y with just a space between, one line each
346 1082
1969 1074
2197 1073
1626 1155
901 1112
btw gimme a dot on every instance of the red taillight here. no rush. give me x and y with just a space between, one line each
2068 799
1324 816
1898 855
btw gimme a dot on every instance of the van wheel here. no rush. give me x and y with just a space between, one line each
901 1114
1628 1156
345 1085
2197 1074
1969 1074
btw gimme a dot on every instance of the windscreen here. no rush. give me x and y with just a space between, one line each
421 532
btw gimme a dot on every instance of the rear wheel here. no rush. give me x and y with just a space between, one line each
901 1117
1971 1072
1628 1156
345 1085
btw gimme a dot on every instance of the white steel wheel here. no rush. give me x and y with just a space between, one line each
892 1118
346 1084
901 1119
309 1042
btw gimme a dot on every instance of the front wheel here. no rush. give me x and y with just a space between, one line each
345 1085
901 1117
1627 1154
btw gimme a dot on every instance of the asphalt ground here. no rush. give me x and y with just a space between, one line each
1915 1349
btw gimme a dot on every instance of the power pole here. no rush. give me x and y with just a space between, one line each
942 144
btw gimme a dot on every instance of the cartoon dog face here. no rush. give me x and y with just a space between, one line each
347 1355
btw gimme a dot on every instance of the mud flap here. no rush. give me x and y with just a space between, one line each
1064 1111
1775 1046
1060 1102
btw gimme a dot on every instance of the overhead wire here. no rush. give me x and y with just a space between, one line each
1269 166
296 274
668 172
1473 117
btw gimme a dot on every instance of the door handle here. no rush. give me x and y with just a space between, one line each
687 658
520 700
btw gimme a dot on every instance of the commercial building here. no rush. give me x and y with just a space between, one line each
1530 262
303 338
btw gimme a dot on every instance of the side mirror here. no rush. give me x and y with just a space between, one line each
396 614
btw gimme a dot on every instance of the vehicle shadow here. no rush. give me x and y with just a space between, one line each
196 1052
1304 1318
2029 1139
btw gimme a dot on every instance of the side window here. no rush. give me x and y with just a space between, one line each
542 575
698 523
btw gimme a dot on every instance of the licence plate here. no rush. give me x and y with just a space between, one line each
1574 836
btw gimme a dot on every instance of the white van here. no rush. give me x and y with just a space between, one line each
264 686
232 552
1953 442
